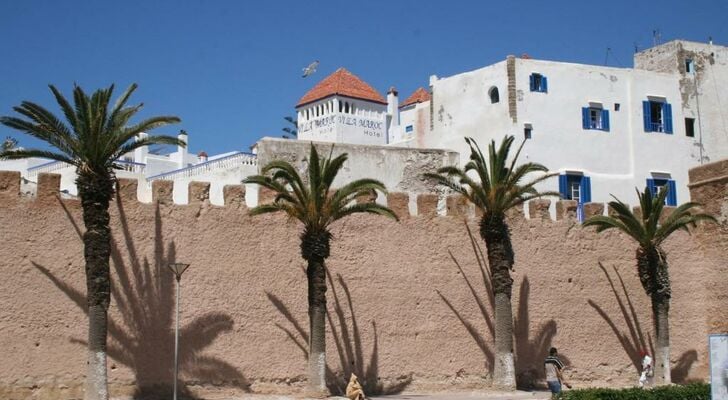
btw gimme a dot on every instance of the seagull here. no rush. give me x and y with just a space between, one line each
310 69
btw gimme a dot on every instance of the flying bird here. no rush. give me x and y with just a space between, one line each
308 71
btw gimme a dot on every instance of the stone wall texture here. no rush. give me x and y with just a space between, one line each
409 304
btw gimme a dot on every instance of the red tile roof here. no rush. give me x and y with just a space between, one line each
344 83
419 96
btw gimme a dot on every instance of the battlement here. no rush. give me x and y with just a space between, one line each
405 205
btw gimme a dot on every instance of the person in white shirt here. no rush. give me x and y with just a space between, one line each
646 375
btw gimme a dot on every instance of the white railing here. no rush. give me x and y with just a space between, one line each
131 166
50 166
231 161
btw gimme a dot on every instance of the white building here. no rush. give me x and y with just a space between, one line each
179 166
605 130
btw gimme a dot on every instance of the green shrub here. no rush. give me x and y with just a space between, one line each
694 391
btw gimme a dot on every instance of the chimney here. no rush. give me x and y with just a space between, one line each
182 149
393 105
140 154
202 156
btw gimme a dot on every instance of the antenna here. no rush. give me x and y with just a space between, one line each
636 47
656 37
606 56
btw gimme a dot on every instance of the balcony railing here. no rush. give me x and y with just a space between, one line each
53 166
50 166
230 161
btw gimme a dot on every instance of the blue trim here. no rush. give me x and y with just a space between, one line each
651 187
585 120
45 165
605 120
646 116
671 199
544 84
585 189
563 186
667 117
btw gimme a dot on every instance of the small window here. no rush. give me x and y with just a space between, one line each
595 118
527 132
657 184
341 106
616 106
538 83
689 66
690 127
494 96
408 128
346 107
657 116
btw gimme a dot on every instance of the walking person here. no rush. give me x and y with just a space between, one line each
647 372
553 367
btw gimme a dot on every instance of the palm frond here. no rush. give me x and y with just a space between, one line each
19 154
371 208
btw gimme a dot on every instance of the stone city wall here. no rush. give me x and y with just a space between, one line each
409 305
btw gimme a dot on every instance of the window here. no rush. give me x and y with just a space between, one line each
494 96
689 66
655 185
657 116
616 106
539 83
690 127
576 187
341 106
527 130
408 128
595 118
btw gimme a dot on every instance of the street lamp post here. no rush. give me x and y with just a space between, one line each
177 269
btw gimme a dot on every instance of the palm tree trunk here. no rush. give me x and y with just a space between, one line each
315 249
661 310
495 233
95 191
655 278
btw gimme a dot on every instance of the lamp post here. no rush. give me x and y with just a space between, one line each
177 269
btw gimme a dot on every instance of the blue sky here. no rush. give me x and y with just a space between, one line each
232 69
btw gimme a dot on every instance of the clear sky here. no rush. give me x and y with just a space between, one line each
231 70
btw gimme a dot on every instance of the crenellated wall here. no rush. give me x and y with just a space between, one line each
409 305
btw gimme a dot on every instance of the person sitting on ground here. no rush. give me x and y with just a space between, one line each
553 366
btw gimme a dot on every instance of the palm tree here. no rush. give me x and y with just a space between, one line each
649 234
290 130
92 138
316 205
497 189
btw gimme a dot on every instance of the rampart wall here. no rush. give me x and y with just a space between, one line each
408 302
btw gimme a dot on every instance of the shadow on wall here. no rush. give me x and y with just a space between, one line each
347 339
634 340
529 352
144 338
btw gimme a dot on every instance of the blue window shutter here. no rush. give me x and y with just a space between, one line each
544 84
563 187
667 116
671 193
605 120
651 187
585 118
532 83
646 116
585 189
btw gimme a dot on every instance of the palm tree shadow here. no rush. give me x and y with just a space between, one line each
347 340
142 339
634 340
529 352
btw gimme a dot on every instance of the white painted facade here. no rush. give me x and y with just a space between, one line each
616 161
342 119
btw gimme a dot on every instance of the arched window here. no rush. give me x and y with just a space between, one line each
307 115
341 106
494 96
346 107
352 108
